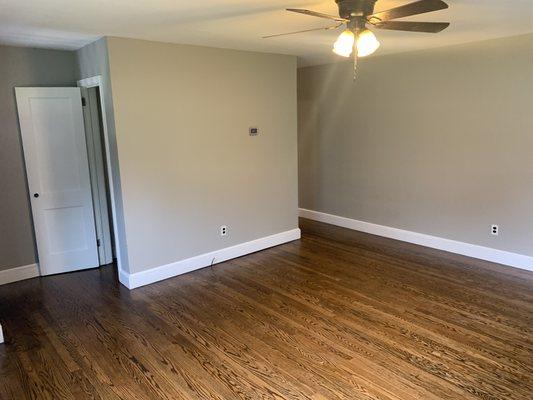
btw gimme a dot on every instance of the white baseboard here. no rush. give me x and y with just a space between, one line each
135 280
452 246
19 273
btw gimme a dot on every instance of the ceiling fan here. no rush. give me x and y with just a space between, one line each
358 14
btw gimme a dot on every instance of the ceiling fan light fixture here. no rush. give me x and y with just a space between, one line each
344 44
367 43
356 15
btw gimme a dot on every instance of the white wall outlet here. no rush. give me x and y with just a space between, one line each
223 230
495 230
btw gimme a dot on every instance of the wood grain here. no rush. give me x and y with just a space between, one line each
336 315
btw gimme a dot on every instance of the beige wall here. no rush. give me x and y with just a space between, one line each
187 163
22 67
437 142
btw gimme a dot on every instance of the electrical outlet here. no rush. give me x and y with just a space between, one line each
494 230
223 230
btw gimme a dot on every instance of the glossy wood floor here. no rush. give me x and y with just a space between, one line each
338 314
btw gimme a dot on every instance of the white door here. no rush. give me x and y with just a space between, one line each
53 137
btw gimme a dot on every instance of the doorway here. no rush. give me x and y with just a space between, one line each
65 150
92 115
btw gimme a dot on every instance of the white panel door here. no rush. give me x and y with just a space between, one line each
53 137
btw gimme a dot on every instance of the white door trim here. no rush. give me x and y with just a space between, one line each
98 81
98 182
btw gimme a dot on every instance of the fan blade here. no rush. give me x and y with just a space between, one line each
317 14
418 7
429 27
304 31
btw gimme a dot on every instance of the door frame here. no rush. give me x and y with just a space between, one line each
99 82
95 153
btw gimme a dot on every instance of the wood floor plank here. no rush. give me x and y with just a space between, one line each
336 315
383 329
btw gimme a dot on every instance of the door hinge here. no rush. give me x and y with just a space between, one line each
98 243
83 102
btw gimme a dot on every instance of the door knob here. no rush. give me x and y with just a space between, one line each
36 195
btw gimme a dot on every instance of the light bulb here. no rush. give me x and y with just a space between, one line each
367 43
344 44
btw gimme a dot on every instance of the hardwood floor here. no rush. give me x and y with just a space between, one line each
339 314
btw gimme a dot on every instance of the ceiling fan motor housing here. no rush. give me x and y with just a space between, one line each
355 8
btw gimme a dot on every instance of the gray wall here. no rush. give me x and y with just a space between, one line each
93 60
187 163
437 142
22 67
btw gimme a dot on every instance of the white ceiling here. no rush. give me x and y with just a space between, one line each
239 24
